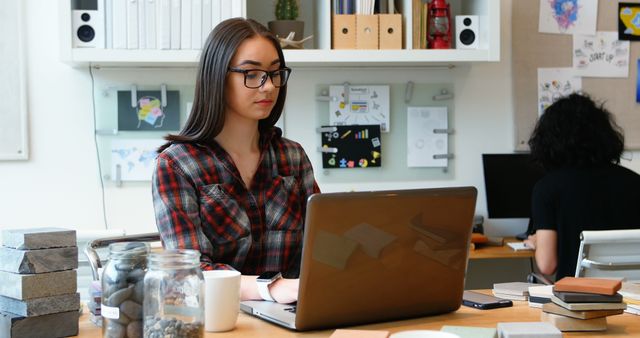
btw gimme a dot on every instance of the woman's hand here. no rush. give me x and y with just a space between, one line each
285 291
531 242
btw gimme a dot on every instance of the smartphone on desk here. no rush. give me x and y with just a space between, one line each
483 302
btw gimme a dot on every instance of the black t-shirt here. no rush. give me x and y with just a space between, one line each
571 200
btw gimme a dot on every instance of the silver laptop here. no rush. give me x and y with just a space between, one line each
378 256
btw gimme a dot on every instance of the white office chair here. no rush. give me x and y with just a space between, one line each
609 253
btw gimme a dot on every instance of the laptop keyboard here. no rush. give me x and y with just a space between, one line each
291 309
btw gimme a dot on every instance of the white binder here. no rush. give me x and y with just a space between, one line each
142 24
132 24
216 14
108 23
151 12
225 9
185 25
196 24
237 8
119 24
175 24
163 27
206 19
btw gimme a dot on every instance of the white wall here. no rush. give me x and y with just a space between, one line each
59 185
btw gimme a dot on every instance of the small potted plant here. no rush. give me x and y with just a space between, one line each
285 23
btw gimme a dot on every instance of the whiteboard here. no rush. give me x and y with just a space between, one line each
13 100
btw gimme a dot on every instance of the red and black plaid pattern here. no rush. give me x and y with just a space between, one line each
202 203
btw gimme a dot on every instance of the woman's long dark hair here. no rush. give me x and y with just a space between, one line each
576 132
208 112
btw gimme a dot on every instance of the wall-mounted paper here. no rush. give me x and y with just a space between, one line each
148 114
135 157
365 105
423 140
351 146
628 22
568 16
602 55
554 83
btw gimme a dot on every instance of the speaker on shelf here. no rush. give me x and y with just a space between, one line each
88 28
467 32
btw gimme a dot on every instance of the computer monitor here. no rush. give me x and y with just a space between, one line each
509 181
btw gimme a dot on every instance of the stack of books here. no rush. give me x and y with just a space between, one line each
540 295
513 290
630 292
95 299
583 304
38 296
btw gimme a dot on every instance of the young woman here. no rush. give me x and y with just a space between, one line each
579 144
229 185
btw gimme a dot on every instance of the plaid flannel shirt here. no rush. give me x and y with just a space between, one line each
202 203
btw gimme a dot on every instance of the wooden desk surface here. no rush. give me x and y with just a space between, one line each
625 325
493 252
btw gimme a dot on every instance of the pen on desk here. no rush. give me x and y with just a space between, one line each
346 134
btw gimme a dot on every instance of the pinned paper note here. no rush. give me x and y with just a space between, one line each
356 105
554 83
568 16
427 137
602 55
134 159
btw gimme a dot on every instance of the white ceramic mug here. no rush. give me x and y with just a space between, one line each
221 299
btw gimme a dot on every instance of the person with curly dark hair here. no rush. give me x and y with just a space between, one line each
579 144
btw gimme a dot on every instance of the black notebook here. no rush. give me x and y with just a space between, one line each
579 297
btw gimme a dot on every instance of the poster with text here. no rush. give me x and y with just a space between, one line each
554 83
568 16
602 55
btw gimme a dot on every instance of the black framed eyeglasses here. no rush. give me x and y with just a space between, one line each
256 78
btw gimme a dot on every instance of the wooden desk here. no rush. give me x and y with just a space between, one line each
493 252
625 325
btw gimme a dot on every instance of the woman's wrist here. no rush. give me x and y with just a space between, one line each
284 290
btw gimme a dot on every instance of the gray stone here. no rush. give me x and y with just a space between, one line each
40 306
38 261
62 324
132 309
116 298
134 329
114 330
37 285
38 238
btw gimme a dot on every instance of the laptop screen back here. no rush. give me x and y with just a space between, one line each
377 256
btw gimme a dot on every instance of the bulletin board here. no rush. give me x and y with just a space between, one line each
13 102
394 143
532 50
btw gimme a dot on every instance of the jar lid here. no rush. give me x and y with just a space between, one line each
126 250
177 258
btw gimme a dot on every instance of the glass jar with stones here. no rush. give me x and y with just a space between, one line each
174 300
123 290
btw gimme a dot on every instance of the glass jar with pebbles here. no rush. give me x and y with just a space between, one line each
174 300
123 290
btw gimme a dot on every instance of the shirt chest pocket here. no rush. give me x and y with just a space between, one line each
283 205
223 219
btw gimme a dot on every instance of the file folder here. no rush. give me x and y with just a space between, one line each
367 32
344 32
390 31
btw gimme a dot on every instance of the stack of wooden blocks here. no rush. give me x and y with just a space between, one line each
583 304
38 292
512 290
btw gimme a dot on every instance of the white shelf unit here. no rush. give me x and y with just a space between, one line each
322 56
